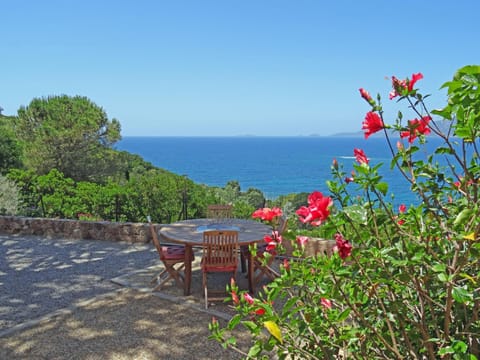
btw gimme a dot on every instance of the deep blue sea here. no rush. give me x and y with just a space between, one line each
275 165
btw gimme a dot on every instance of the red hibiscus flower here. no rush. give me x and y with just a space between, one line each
416 127
272 241
415 78
343 247
400 86
402 208
372 124
260 311
360 156
267 214
317 210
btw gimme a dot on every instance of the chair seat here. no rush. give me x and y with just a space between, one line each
213 268
173 252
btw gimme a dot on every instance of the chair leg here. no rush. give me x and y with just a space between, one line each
204 283
170 272
157 277
243 261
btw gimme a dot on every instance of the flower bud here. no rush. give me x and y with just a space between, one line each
366 95
335 164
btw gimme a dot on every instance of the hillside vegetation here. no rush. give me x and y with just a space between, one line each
57 156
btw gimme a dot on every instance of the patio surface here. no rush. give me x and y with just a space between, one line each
81 299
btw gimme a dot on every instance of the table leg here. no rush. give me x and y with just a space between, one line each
251 273
188 269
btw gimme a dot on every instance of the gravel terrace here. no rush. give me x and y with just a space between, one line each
89 299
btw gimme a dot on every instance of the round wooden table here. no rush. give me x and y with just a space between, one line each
190 234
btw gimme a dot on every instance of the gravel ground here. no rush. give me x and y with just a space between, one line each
39 275
57 302
125 326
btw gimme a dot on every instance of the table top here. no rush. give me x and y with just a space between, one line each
190 232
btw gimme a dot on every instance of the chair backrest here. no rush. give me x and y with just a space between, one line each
219 211
155 240
220 248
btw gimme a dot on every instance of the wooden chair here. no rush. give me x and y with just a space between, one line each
262 263
219 212
172 257
220 254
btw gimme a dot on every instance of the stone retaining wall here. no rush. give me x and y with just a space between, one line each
76 229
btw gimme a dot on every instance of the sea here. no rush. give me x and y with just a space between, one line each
275 165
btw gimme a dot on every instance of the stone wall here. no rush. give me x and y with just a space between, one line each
76 229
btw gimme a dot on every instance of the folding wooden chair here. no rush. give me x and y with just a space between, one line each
220 254
172 257
261 262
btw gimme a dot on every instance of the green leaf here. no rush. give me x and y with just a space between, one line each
444 150
461 295
234 321
250 325
382 187
446 350
439 268
443 277
357 214
344 314
255 350
462 217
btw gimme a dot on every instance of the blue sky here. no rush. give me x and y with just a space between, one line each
220 68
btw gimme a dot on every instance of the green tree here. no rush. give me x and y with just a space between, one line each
10 151
70 134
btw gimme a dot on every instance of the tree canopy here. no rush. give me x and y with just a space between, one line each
70 134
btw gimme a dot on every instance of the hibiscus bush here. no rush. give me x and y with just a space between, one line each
403 282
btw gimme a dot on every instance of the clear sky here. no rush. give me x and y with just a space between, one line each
224 67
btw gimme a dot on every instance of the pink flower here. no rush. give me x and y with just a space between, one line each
286 264
360 156
343 247
267 214
372 124
248 298
402 208
302 240
326 303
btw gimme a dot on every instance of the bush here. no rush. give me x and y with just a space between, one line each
403 283
9 197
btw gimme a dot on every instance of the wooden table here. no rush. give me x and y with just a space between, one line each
190 234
